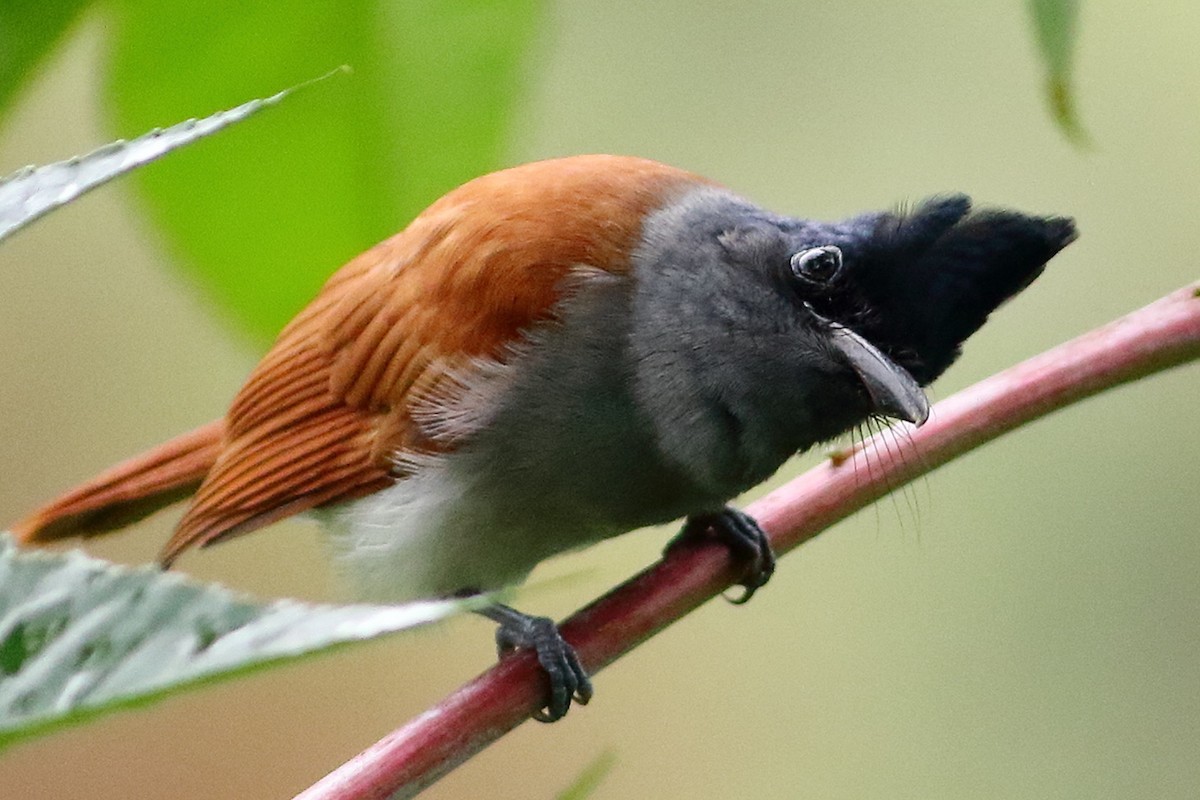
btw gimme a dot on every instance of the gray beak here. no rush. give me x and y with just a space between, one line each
892 390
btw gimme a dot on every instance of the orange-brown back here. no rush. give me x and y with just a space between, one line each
322 417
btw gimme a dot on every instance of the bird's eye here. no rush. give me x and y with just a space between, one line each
817 266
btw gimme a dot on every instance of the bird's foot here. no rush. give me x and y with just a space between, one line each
568 679
747 542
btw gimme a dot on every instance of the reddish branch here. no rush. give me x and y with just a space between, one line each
1161 335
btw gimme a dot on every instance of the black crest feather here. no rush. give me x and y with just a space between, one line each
931 277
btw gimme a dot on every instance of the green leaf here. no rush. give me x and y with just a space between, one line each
586 783
29 29
263 216
80 637
32 192
1054 23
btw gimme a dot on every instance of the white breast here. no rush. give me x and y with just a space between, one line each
434 534
555 455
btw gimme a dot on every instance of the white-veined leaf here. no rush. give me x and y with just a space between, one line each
33 191
80 636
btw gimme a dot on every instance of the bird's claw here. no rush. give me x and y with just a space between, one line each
746 540
568 679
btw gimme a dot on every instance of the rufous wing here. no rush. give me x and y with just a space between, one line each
322 418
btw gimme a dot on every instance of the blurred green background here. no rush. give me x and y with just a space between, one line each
1024 623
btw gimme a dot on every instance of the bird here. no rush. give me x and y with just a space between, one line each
563 351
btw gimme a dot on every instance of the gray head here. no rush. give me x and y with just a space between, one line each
757 335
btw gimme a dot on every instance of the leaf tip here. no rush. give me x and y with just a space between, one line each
1062 109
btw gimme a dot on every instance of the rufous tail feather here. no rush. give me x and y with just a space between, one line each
129 491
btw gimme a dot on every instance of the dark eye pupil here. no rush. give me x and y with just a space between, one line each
817 264
822 266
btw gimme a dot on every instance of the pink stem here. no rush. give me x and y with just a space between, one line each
1164 334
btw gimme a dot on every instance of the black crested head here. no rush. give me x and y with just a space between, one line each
756 335
918 284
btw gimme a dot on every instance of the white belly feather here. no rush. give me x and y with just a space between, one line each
438 533
554 455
